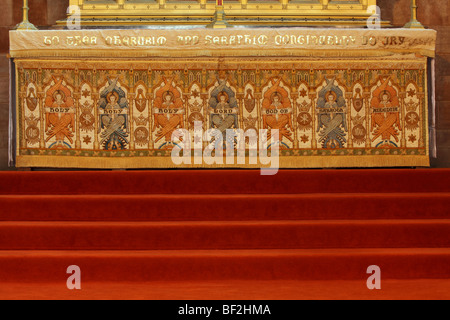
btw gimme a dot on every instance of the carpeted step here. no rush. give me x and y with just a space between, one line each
182 207
224 235
406 289
208 265
224 226
225 182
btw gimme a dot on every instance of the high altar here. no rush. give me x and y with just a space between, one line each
113 93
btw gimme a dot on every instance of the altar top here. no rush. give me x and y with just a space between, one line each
238 42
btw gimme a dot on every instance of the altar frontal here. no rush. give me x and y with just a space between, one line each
115 98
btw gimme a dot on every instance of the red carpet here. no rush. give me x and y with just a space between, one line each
228 234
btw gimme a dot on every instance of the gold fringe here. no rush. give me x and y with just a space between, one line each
285 162
407 62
